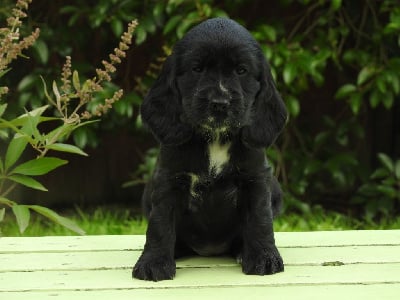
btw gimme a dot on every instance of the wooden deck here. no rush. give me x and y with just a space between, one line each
318 265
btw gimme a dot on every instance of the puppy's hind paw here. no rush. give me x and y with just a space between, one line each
265 263
154 268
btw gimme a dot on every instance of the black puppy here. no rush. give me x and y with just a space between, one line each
214 108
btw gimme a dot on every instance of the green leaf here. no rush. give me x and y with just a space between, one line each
321 138
174 4
269 32
1 166
388 100
207 10
68 9
4 72
289 73
374 98
15 149
141 35
65 130
27 181
380 173
3 133
2 214
293 106
336 4
39 166
42 51
7 202
34 113
57 94
381 84
84 136
117 26
158 13
397 169
387 190
53 216
365 74
172 23
391 28
396 83
46 93
2 108
22 215
76 81
27 83
80 138
7 124
66 148
345 90
148 25
30 130
187 23
386 161
355 103
21 121
60 132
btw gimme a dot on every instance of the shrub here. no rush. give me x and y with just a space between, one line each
69 100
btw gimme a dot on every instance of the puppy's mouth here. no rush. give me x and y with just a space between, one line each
214 112
213 123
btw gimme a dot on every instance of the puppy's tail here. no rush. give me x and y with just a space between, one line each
276 197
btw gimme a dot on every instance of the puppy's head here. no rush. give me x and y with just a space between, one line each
216 79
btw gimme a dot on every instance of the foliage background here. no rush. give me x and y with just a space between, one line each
336 63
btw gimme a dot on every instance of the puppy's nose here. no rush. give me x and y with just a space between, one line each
219 105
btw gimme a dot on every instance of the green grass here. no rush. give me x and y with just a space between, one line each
112 220
102 220
319 220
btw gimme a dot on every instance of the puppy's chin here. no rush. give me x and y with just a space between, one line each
218 128
216 123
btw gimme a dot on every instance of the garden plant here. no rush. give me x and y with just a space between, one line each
67 104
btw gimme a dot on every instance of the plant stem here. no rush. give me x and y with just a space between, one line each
9 190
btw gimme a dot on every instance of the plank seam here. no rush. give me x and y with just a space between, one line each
372 283
323 264
141 249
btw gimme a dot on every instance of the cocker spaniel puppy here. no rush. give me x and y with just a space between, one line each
214 109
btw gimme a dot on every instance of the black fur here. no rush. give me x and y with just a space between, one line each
214 108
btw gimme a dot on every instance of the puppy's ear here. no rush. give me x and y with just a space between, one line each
268 114
161 109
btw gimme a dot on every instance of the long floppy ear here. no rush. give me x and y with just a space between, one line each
268 114
161 109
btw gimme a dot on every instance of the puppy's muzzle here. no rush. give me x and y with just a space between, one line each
219 105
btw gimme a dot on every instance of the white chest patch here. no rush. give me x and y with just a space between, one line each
193 182
219 155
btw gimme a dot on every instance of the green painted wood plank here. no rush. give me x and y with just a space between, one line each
33 261
318 292
200 277
71 243
136 242
338 238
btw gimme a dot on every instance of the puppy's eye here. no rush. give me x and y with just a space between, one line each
240 70
197 69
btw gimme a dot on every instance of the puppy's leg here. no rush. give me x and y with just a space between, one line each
259 254
157 260
276 197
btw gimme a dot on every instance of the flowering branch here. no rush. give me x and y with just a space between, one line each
11 45
86 91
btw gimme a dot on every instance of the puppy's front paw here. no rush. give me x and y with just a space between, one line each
154 268
264 262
